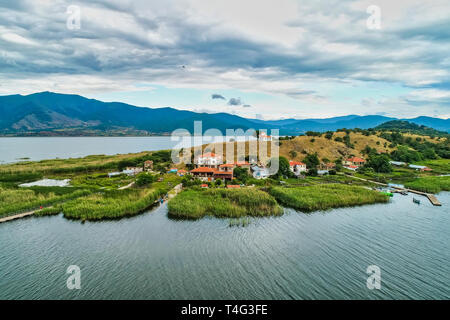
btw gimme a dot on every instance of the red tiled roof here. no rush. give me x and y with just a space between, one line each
352 166
231 186
182 171
204 185
226 165
209 155
203 170
242 163
296 163
356 159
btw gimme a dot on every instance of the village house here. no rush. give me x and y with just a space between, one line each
420 168
260 172
211 174
264 137
243 164
354 161
327 166
209 159
148 165
233 186
297 167
132 171
182 173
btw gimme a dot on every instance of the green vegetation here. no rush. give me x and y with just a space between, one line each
440 166
378 163
18 200
323 197
430 184
223 203
101 180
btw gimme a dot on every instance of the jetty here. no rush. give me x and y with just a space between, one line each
434 201
16 216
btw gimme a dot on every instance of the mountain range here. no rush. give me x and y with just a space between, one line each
48 113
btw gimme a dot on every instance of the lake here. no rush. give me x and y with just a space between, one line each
41 148
323 255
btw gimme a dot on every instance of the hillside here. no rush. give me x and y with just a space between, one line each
53 114
298 147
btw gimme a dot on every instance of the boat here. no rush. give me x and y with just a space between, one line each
416 200
404 193
390 194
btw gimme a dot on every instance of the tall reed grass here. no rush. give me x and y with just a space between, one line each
326 196
223 203
430 184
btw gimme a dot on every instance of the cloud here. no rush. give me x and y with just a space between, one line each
235 102
300 54
217 96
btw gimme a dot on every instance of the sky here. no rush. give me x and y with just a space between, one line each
265 59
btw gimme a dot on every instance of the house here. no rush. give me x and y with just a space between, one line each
210 174
113 174
260 172
173 170
182 172
233 186
421 168
297 167
243 164
209 159
203 173
132 171
327 166
354 161
264 137
351 167
204 186
148 165
397 163
224 172
227 167
322 172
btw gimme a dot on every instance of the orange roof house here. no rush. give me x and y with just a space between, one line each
233 186
355 161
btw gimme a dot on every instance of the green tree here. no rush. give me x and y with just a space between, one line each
379 163
311 161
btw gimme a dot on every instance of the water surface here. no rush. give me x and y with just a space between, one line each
323 255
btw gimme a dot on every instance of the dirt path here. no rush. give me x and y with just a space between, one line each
127 186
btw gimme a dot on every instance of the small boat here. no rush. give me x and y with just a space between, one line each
387 193
416 200
404 193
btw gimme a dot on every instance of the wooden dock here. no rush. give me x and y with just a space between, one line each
434 201
16 216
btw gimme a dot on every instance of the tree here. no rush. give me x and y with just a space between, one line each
284 169
144 179
241 174
311 161
329 135
293 154
379 163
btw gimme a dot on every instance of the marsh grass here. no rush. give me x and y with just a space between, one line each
326 196
223 203
19 200
116 204
430 184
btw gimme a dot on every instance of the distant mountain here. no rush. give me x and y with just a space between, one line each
48 113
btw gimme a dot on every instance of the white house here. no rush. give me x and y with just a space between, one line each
297 167
209 159
264 137
260 173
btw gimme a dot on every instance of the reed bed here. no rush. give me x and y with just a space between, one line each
223 203
14 201
112 204
430 184
326 196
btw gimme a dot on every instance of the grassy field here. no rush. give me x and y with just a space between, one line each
327 196
430 184
223 203
441 166
101 180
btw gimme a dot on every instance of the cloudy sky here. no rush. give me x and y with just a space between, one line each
255 58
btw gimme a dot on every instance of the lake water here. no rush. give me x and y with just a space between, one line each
323 255
40 148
